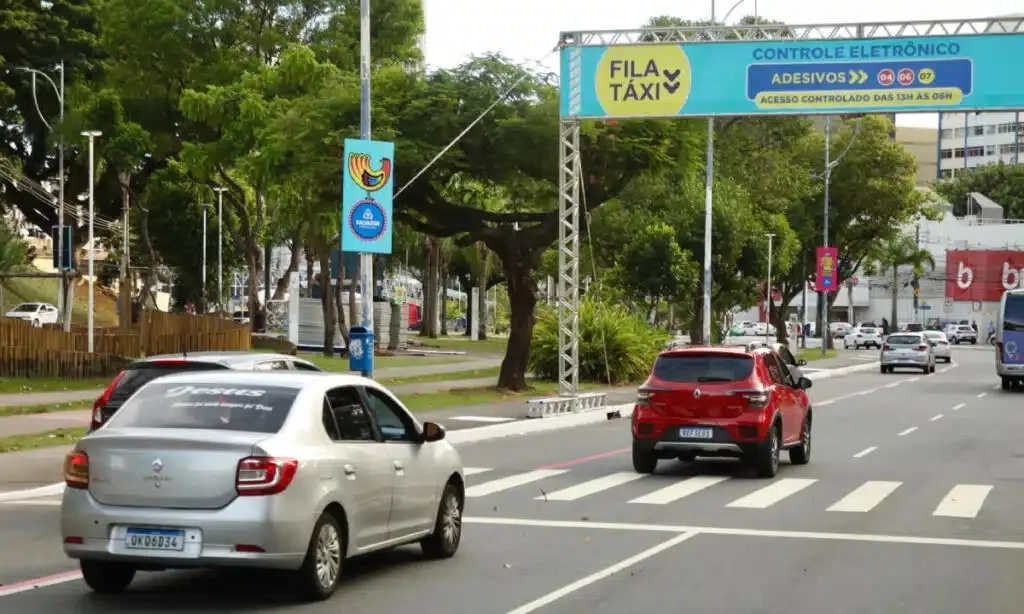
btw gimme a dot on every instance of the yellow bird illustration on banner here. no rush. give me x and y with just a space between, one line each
365 177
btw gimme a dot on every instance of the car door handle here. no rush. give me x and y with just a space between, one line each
399 466
350 470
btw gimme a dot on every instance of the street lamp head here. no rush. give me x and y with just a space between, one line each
92 133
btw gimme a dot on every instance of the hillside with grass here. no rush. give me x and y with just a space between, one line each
28 290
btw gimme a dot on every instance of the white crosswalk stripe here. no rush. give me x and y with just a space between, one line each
677 491
772 494
512 481
592 486
866 497
963 501
468 471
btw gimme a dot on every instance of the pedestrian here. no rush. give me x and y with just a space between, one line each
885 327
974 325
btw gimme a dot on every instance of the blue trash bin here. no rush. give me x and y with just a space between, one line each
360 351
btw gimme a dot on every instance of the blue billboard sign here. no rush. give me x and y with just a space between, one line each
926 74
366 196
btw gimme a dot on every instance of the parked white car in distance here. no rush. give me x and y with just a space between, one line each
863 337
940 345
36 313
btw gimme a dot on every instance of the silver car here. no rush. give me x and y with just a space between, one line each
293 471
907 351
940 345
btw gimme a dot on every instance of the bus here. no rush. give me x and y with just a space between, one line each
1010 340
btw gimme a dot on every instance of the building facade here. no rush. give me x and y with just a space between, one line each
968 140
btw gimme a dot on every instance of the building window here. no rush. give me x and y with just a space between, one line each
1007 128
958 152
976 151
977 130
946 154
960 132
1007 148
946 133
990 129
990 150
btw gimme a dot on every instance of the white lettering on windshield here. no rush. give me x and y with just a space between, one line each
178 391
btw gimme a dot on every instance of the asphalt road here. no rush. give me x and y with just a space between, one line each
911 504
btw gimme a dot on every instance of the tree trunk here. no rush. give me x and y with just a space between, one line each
253 258
339 302
429 328
894 320
697 327
481 307
776 317
523 301
293 265
327 301
309 272
466 283
444 307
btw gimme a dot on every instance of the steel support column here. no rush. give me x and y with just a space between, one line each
568 256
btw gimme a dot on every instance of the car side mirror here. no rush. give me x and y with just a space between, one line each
432 432
801 363
804 383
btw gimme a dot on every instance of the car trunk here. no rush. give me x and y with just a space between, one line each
175 468
699 386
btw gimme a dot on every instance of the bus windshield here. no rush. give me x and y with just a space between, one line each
1013 316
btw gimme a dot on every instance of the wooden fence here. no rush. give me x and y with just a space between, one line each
50 352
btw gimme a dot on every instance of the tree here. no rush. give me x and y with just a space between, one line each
12 249
653 267
894 252
1003 183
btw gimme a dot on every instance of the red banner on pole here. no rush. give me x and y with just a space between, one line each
828 269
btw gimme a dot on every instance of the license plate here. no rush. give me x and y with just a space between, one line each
155 539
695 433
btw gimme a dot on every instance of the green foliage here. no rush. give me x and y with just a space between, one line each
653 267
1003 183
13 252
606 331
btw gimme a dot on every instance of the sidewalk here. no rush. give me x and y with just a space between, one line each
71 396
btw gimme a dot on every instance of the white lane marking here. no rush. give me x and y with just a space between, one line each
997 387
32 493
44 502
865 497
935 417
663 528
512 481
959 406
677 491
907 432
981 395
772 494
892 385
28 585
913 379
494 419
963 501
865 452
824 403
591 486
593 578
468 471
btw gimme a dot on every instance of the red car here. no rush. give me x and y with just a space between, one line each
722 401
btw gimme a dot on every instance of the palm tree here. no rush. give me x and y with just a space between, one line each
895 252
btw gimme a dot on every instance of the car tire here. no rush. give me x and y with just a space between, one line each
37 324
320 573
1007 385
801 454
931 369
883 370
644 460
444 542
766 457
974 342
105 577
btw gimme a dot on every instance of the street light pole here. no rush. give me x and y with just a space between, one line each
202 303
768 292
91 135
365 260
59 90
220 247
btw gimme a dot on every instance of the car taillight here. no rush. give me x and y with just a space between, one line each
76 470
264 475
97 407
885 347
643 399
756 399
921 348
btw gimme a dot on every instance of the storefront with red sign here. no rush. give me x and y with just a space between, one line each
982 275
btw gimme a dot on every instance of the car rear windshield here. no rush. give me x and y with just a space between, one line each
1013 316
701 368
141 373
868 331
903 340
966 329
222 407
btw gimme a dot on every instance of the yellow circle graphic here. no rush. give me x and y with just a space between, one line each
643 81
925 76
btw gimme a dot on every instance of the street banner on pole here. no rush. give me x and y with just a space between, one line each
366 197
828 269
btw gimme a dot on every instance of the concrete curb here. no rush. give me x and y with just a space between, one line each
495 431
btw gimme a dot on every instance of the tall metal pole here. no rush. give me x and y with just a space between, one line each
366 260
91 134
768 291
708 181
823 296
220 247
202 303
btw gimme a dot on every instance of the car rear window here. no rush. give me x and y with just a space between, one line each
966 329
222 407
701 368
140 374
903 340
868 331
1013 316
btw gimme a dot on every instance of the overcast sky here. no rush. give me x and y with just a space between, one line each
527 30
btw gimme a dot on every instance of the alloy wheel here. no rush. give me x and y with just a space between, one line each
451 521
774 443
328 556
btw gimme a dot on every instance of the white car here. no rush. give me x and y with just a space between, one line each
839 329
862 337
940 345
36 313
761 329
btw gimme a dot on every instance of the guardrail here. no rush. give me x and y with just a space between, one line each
560 406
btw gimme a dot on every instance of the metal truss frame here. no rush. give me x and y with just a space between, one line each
569 175
568 257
